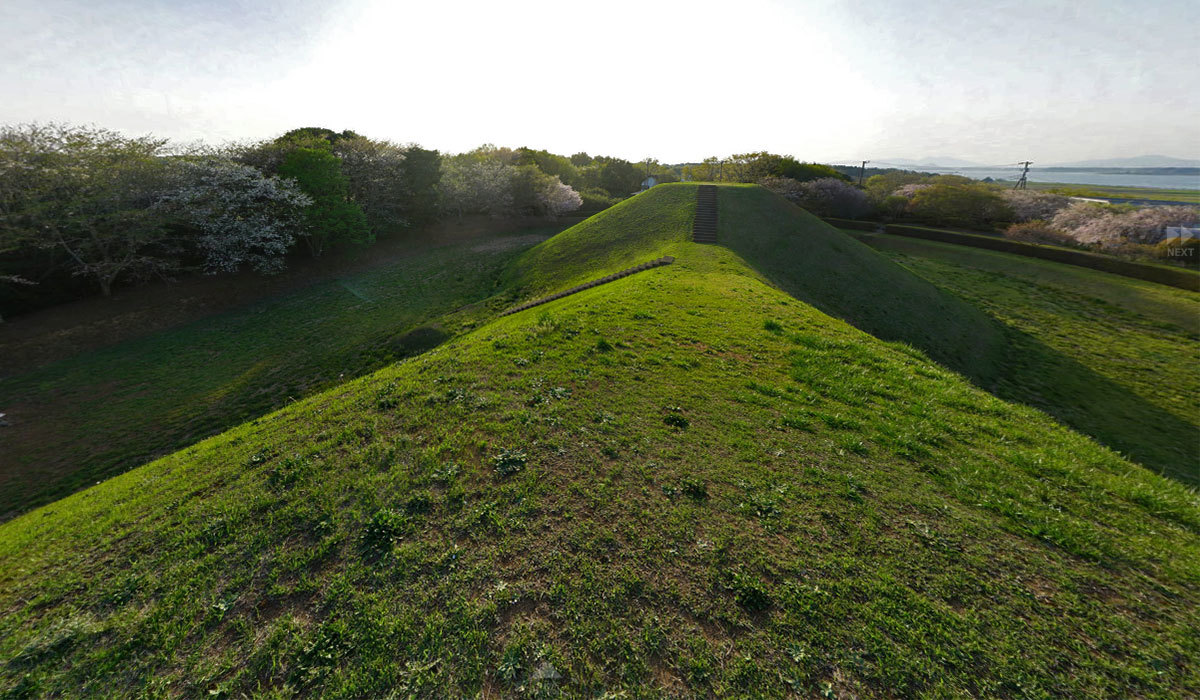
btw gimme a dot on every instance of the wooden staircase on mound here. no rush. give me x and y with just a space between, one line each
704 228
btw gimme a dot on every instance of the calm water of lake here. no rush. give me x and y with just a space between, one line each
1172 182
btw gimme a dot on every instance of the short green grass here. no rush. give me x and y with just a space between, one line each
817 264
1111 356
783 245
94 415
683 483
1120 192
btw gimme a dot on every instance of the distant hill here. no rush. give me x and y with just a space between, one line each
1134 162
932 162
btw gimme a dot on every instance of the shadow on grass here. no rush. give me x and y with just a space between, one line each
419 340
849 280
1044 378
819 265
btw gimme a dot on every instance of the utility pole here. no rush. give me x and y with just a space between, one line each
862 172
1021 183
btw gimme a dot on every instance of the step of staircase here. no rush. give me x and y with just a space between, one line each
704 227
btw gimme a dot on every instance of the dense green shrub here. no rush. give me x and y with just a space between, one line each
755 167
969 206
332 218
596 199
882 187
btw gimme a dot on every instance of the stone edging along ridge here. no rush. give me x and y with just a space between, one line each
657 262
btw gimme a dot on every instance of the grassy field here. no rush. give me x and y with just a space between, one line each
1110 356
1105 191
686 482
85 418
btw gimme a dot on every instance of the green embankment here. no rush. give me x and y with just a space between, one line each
686 482
816 263
94 415
1108 355
786 246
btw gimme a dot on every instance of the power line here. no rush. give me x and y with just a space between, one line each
1021 183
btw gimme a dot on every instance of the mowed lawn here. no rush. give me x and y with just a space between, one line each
1113 357
83 419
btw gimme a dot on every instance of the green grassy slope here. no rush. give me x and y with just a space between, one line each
818 264
641 228
786 246
1108 355
86 418
684 482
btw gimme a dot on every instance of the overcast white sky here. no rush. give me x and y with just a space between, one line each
993 82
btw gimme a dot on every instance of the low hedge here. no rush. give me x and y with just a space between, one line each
854 224
1172 276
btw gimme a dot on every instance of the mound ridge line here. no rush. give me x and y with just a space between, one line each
657 262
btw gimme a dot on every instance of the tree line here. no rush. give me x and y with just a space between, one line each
85 210
960 202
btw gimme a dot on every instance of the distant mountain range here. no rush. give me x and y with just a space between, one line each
945 162
1148 161
942 161
1135 162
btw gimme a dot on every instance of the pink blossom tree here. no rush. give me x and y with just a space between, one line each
1141 226
1030 206
826 196
558 199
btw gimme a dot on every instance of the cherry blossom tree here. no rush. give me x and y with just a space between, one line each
242 216
558 199
1028 206
909 190
785 187
87 192
826 196
469 186
1038 231
1078 213
1141 226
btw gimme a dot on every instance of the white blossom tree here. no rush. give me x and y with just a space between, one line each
1078 213
785 187
1030 206
827 196
558 199
910 190
1142 226
87 192
242 217
469 186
